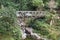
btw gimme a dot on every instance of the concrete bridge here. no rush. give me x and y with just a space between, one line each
26 15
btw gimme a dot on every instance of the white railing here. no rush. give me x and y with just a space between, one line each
30 13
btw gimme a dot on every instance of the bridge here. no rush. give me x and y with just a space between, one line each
30 13
25 15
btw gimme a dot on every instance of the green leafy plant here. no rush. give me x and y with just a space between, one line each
8 26
38 3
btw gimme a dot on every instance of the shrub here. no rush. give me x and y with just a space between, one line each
8 26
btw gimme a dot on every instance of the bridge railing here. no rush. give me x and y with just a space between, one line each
30 13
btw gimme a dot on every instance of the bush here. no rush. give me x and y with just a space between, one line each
42 26
8 26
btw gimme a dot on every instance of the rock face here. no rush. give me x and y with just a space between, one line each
29 30
35 36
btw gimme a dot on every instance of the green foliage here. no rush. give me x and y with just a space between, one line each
26 5
9 30
8 25
58 1
42 26
37 3
29 38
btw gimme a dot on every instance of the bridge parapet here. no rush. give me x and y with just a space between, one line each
30 13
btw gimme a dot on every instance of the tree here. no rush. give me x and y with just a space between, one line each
9 29
38 3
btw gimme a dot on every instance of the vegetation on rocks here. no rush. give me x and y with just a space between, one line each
47 26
